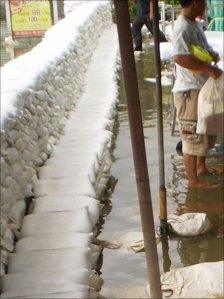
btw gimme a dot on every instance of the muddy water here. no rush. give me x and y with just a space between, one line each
123 270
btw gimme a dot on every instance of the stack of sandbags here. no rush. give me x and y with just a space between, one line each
56 238
38 91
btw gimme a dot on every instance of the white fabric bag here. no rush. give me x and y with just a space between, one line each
211 107
69 258
203 280
34 281
59 222
65 202
54 241
189 224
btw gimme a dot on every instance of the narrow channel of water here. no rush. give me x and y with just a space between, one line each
123 270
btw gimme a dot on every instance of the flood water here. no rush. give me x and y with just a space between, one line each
124 271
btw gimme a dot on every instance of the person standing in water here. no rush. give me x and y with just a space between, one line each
191 75
143 17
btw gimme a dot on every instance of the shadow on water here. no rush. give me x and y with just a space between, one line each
124 272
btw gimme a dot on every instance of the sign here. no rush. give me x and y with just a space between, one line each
30 18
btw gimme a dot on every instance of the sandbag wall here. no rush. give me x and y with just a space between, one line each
39 90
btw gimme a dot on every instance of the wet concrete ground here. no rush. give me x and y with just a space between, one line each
123 270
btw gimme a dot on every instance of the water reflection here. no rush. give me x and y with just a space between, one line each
123 267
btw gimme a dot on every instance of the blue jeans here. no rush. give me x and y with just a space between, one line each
137 30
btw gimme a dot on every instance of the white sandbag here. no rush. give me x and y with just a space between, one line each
189 224
96 136
71 170
60 295
72 221
211 107
203 280
32 280
49 289
69 258
54 241
74 185
78 151
91 159
87 293
48 204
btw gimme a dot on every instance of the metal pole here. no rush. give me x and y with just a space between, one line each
55 11
162 189
138 145
8 16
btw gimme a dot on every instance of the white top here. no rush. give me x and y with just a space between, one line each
185 34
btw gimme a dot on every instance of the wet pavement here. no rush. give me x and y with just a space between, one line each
123 270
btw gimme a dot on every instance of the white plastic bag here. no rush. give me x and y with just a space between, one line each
189 224
211 107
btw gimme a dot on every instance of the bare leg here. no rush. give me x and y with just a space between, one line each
201 166
203 169
191 163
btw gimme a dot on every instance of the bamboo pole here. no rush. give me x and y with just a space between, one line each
138 145
162 188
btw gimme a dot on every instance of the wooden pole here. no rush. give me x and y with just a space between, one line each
162 188
138 145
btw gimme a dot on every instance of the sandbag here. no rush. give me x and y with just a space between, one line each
85 293
203 280
48 289
71 170
71 185
211 107
72 221
189 224
60 295
32 280
63 202
69 258
54 241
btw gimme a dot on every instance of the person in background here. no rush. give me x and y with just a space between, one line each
191 74
143 17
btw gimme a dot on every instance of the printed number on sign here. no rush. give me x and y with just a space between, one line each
33 19
36 12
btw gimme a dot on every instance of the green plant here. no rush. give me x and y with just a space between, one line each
172 2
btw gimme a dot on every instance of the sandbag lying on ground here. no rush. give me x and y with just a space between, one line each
90 294
63 202
189 224
47 288
71 170
72 185
71 221
34 280
54 241
69 258
203 280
